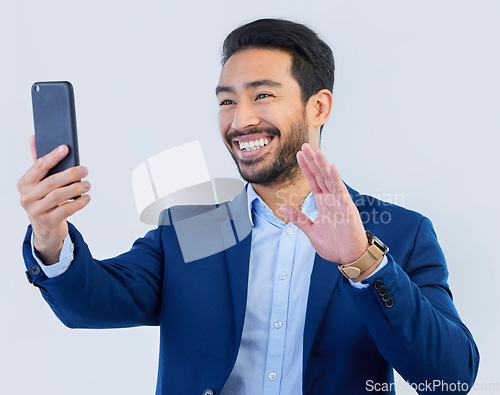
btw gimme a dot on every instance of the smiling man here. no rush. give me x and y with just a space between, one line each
304 296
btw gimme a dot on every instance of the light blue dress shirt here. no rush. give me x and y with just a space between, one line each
270 356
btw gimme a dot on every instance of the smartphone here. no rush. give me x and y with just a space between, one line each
55 121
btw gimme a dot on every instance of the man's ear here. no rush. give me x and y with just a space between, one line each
319 107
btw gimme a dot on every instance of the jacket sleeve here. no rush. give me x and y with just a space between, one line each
123 291
409 311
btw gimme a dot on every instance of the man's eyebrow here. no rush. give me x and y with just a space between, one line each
258 83
252 84
223 88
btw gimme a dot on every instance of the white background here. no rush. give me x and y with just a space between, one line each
415 121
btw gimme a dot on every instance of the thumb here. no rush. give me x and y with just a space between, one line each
33 147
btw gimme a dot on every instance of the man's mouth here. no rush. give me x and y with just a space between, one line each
254 144
250 146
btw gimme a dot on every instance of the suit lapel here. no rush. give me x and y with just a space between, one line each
324 279
238 258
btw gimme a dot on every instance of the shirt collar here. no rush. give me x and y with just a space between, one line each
308 207
252 195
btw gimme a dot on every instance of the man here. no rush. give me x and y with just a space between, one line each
299 298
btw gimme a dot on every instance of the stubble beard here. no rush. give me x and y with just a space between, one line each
284 169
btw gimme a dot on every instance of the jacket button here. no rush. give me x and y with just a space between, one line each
382 290
386 297
35 270
377 284
28 277
389 303
208 392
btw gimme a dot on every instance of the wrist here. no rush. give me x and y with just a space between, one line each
368 272
48 252
368 262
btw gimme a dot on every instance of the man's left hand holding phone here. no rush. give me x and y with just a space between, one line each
49 187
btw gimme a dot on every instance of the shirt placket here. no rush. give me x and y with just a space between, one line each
279 310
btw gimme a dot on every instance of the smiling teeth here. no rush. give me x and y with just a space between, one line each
253 145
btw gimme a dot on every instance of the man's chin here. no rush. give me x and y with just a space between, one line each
262 177
252 174
252 178
249 162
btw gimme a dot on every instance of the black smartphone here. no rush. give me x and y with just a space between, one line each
55 121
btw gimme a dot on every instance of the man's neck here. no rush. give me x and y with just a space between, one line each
276 195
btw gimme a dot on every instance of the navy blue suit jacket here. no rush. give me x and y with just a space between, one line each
352 338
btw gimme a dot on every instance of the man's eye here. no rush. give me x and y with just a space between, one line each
226 102
263 95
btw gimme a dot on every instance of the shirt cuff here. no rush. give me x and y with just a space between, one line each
362 285
65 258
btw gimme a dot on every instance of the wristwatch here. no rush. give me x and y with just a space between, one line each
376 250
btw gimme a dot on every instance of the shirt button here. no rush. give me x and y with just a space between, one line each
289 231
282 275
278 324
272 376
72 247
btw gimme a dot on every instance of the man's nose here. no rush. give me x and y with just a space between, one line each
245 116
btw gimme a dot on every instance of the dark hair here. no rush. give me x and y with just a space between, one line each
312 59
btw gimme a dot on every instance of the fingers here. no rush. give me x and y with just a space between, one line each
38 206
324 167
42 166
48 211
340 187
57 197
316 168
308 173
58 180
47 200
68 208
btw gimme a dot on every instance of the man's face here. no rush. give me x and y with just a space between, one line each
262 117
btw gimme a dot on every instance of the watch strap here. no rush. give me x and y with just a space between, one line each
354 269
